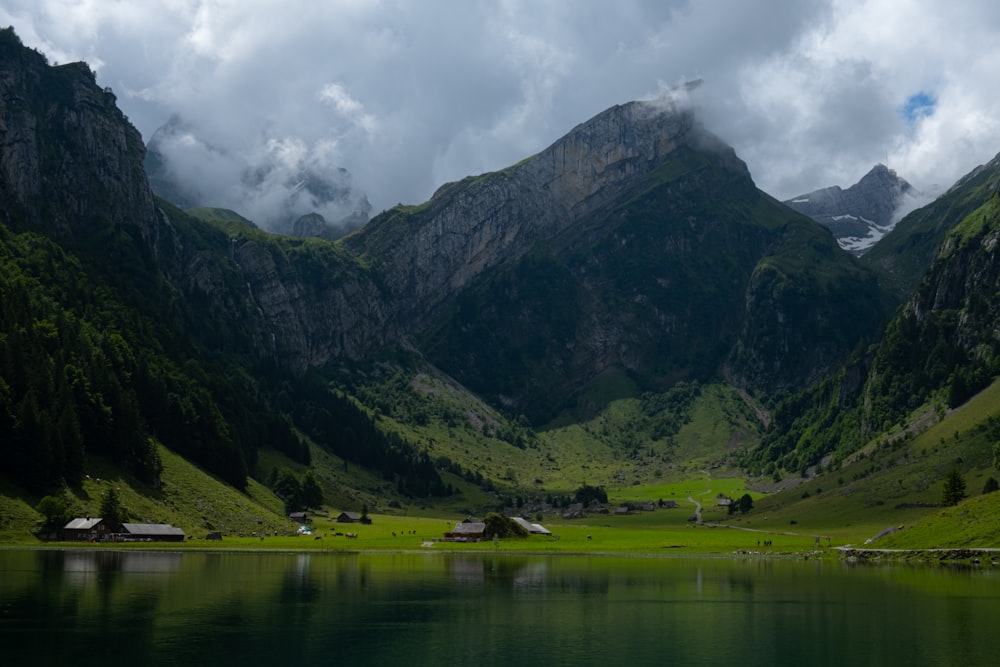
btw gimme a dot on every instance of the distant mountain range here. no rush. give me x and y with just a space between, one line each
863 213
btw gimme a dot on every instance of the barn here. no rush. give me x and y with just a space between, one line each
150 532
531 528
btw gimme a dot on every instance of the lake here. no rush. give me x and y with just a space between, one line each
98 607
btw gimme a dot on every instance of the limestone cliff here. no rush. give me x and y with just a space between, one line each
298 303
68 157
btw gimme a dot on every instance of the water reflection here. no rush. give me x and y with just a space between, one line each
414 609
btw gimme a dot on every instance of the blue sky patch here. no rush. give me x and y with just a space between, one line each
918 105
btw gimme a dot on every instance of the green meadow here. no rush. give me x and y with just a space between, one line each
894 482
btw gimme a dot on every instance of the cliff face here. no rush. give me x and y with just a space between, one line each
658 257
960 287
68 156
304 321
299 303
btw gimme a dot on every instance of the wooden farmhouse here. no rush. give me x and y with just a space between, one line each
467 531
87 529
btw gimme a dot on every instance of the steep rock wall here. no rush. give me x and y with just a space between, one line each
69 158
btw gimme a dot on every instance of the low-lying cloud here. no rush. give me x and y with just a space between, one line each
273 182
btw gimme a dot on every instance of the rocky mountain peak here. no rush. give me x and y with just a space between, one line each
863 213
428 252
617 144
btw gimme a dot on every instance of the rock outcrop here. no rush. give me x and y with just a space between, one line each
636 243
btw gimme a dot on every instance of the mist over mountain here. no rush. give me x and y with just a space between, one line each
863 213
273 183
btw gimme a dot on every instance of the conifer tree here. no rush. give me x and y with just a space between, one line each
954 489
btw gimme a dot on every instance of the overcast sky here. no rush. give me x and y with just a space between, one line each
408 95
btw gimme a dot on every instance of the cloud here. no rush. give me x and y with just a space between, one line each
408 95
273 182
348 107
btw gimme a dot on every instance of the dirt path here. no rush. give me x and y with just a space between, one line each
697 509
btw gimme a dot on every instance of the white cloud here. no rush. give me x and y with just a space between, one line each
406 95
347 107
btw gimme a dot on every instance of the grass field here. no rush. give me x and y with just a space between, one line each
664 532
894 482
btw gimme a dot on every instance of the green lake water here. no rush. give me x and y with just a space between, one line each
191 608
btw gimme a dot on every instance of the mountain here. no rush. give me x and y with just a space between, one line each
304 198
637 242
624 305
935 354
860 215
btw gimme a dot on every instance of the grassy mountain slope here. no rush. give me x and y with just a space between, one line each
186 496
897 479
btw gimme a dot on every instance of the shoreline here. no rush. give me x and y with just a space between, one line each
845 554
945 555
